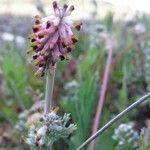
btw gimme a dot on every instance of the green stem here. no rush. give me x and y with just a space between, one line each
106 126
50 78
50 146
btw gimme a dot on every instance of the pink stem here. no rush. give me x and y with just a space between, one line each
102 95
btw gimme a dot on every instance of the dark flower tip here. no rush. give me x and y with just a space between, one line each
69 49
74 39
48 24
78 26
41 35
37 21
35 28
35 56
65 6
71 8
55 5
62 57
33 40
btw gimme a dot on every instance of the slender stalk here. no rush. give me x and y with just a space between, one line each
106 126
50 78
102 95
50 146
140 53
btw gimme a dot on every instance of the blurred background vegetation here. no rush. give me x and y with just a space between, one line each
78 81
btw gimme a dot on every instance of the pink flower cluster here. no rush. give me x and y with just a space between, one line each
52 38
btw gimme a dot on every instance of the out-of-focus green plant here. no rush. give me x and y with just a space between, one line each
126 136
81 101
142 141
15 74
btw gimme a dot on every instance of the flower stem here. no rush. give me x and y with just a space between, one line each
106 126
50 146
102 95
50 78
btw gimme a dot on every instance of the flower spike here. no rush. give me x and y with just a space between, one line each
52 38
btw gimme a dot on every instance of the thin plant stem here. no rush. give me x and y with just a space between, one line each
102 95
140 54
106 126
50 78
50 146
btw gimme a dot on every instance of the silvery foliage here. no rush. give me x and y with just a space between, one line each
72 90
145 138
51 127
125 134
20 125
94 31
